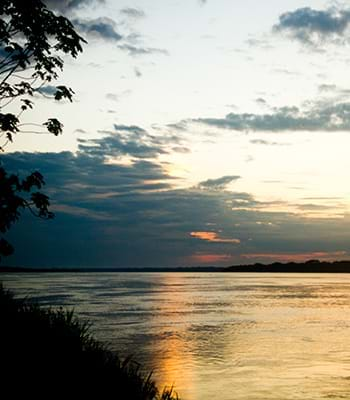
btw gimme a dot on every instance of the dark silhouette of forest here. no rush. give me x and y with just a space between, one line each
311 266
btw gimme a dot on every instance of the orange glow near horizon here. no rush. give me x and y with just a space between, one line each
300 257
201 258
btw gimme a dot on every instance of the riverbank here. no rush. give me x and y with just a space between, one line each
48 351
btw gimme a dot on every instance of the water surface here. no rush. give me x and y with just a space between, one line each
215 335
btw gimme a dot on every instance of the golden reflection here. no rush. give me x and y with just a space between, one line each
172 353
229 336
241 344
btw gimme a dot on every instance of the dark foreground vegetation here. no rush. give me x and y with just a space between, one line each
48 353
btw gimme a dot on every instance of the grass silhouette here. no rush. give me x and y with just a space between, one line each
50 353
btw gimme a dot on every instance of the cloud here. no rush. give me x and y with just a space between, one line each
261 101
327 87
122 144
285 71
52 92
112 97
323 117
137 72
263 44
181 149
115 214
213 237
129 128
65 6
266 142
89 174
105 28
140 50
117 205
133 12
219 183
47 90
315 27
129 140
334 92
178 126
315 207
99 28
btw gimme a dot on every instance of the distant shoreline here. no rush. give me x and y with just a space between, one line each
312 266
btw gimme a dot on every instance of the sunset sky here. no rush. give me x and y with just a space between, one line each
201 133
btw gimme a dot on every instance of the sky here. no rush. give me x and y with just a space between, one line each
201 133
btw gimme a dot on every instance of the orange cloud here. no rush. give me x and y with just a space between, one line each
299 257
213 237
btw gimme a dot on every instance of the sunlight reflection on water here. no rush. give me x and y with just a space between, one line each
214 335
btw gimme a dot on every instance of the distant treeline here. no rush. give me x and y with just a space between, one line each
311 266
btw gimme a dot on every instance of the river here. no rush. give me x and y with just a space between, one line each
222 336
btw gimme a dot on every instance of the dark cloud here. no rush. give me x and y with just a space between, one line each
319 117
71 5
315 27
219 183
100 28
114 214
120 144
140 50
117 205
103 27
129 128
47 90
129 140
133 12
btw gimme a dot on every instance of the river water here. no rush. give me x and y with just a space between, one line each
216 335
